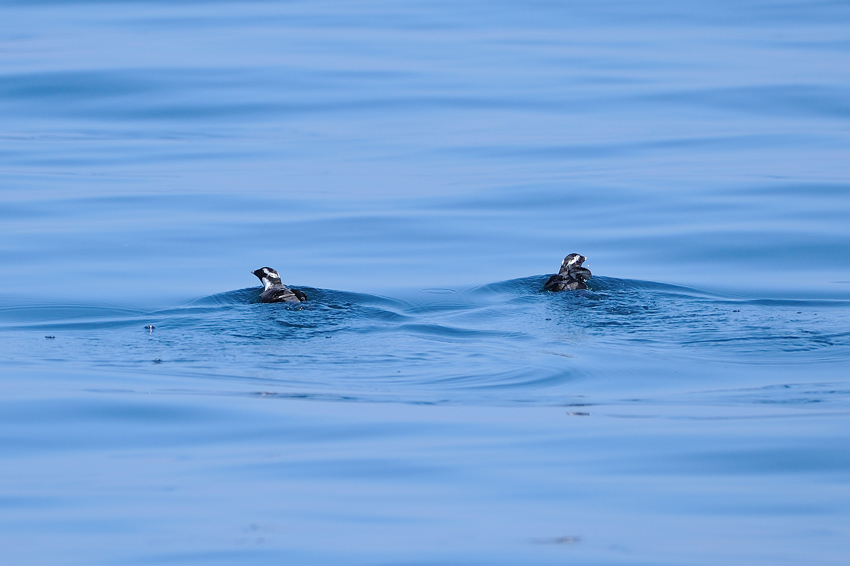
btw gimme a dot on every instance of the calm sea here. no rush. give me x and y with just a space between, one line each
417 168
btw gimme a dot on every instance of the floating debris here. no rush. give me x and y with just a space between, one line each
50 337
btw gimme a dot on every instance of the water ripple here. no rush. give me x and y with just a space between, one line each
507 341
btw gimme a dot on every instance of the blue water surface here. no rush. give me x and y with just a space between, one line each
417 168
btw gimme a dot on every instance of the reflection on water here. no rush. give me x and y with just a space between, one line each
399 158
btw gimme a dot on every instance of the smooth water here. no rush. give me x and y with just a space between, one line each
417 168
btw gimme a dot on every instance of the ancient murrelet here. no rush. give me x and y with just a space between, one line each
274 291
571 276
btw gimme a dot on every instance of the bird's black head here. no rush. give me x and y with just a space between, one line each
268 276
572 261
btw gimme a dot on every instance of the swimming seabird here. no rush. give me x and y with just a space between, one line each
571 276
274 291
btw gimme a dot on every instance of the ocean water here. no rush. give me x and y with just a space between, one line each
418 168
